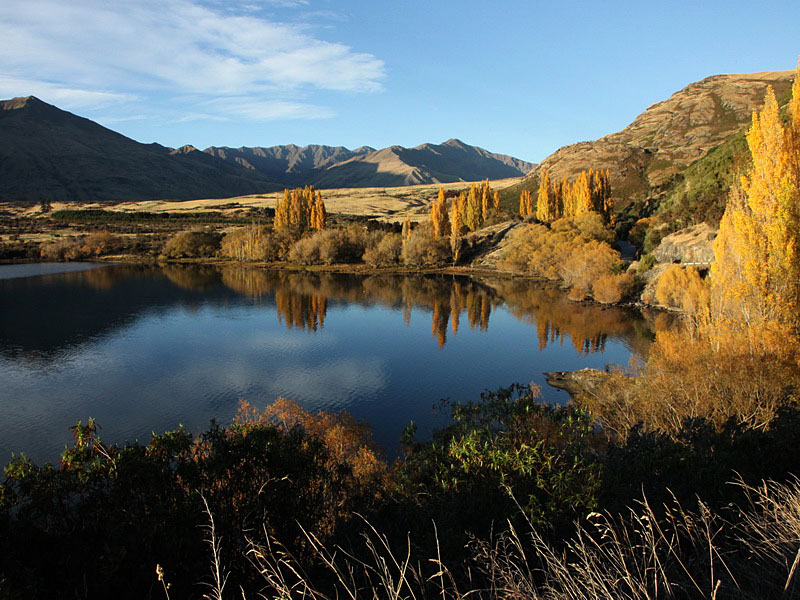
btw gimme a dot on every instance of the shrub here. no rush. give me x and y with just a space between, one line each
591 223
75 248
333 246
198 243
421 250
612 288
682 289
505 449
386 252
101 243
62 249
256 243
587 263
646 262
574 252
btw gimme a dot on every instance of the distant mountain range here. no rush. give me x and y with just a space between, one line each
48 153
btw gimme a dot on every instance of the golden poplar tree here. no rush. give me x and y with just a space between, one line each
319 216
525 203
473 213
545 200
455 230
581 195
755 277
300 210
406 229
282 211
439 218
486 200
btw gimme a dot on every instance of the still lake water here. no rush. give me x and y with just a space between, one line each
144 349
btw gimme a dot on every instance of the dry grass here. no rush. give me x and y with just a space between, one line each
671 552
390 203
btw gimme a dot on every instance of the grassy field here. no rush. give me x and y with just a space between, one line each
387 204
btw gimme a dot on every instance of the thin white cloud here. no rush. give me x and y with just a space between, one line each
258 110
65 96
92 52
112 120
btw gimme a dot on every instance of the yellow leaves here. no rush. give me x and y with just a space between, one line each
439 216
591 191
473 209
347 441
755 278
565 252
545 200
300 210
525 204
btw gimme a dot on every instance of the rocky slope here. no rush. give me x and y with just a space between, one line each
50 154
670 135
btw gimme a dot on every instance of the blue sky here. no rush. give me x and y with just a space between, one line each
520 78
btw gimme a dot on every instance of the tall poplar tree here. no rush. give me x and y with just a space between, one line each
755 277
439 219
545 200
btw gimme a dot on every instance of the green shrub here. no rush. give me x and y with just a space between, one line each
506 449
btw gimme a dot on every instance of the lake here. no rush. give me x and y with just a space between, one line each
146 348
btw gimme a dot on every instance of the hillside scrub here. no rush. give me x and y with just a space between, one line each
574 252
681 288
386 252
422 249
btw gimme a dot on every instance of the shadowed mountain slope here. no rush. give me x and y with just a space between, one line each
50 154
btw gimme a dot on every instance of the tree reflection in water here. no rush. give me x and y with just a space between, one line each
302 299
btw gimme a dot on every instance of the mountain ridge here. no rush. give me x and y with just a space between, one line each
49 154
337 166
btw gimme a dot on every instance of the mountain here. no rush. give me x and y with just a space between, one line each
649 156
425 164
48 153
338 167
290 165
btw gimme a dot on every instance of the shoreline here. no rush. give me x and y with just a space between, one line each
354 269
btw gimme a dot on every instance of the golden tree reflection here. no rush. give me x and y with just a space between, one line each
302 301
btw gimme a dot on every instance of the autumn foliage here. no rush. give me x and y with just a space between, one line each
591 191
755 278
300 210
575 252
473 209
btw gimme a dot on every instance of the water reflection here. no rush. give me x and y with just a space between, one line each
302 300
144 348
108 298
